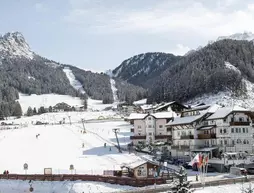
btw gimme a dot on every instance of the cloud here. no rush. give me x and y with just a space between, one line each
205 19
180 50
39 7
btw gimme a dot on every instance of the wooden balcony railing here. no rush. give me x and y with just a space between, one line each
207 136
239 123
137 137
187 137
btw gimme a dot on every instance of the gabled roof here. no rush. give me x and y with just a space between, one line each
137 116
164 115
137 163
185 120
225 111
168 104
201 107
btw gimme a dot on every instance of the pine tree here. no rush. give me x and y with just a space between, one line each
29 111
85 103
17 110
34 111
50 109
41 110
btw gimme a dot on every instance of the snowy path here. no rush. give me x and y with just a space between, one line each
114 89
74 83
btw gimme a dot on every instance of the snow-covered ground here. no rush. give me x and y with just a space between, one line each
234 188
46 100
227 98
58 146
13 186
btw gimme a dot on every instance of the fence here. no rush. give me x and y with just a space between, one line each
98 178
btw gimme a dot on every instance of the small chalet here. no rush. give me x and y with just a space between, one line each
171 106
60 107
141 169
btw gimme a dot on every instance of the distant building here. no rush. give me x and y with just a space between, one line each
227 129
141 169
60 107
150 128
170 106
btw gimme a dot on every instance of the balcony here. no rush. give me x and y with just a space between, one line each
207 136
187 137
239 123
163 136
183 147
137 137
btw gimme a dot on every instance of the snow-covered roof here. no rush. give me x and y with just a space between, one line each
137 116
162 115
205 128
225 111
213 108
185 120
140 102
207 149
146 107
137 163
165 105
201 107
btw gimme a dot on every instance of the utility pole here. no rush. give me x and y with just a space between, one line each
82 120
69 119
116 131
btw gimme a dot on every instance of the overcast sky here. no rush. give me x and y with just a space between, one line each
100 34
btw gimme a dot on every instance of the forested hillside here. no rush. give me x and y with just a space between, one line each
205 71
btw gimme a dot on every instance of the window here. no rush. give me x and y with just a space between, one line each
178 133
248 120
244 141
149 126
190 133
149 118
224 130
233 142
243 130
232 130
232 119
247 141
225 142
221 142
236 130
239 129
224 120
240 119
150 134
220 130
246 130
160 126
238 141
141 171
139 126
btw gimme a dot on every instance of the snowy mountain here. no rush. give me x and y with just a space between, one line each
23 71
249 36
15 45
142 69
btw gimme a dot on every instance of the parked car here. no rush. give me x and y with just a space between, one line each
187 166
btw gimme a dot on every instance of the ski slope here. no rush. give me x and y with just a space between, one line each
59 146
74 83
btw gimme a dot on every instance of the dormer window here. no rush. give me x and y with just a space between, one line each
149 118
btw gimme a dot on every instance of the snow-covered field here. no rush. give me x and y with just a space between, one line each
234 188
13 186
59 146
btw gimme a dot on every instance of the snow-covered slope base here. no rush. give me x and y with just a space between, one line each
46 100
227 98
58 146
